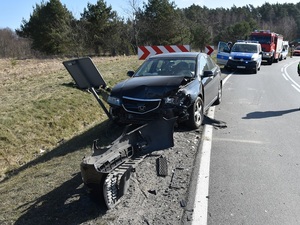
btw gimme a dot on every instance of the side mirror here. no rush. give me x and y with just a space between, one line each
208 73
130 73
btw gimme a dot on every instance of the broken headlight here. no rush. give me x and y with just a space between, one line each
114 101
177 99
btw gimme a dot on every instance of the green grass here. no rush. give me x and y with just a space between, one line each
41 109
46 127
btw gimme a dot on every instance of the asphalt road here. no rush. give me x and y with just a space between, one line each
254 163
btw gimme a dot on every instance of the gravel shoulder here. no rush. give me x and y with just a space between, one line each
153 199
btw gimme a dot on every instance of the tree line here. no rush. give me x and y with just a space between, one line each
52 30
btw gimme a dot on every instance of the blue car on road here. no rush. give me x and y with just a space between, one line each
245 55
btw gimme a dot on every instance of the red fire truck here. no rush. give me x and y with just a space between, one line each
271 44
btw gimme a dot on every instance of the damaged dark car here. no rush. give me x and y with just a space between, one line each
182 85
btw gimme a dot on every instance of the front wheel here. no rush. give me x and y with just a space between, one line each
255 69
270 61
196 114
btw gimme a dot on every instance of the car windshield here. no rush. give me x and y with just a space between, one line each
261 39
244 48
167 66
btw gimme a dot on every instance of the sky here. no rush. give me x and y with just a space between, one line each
12 12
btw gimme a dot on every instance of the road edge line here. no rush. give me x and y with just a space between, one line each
202 186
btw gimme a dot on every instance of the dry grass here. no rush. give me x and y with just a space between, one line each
40 110
46 127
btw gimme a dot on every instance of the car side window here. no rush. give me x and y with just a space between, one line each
210 64
202 65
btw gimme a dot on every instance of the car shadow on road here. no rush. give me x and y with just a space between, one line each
217 124
66 204
266 114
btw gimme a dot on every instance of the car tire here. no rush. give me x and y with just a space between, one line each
270 61
196 114
255 69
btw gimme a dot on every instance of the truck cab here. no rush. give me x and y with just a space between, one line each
271 44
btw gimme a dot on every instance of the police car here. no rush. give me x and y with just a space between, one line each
245 55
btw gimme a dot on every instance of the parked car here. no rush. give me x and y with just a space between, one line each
245 55
285 50
182 85
296 51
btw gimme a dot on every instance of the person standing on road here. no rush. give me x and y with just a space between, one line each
298 68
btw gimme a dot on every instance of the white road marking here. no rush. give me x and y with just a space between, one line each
286 76
202 186
201 197
297 89
283 74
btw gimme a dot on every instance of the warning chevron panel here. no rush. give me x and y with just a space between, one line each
145 52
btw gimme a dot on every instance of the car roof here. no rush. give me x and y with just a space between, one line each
178 54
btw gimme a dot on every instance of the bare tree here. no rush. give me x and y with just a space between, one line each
12 46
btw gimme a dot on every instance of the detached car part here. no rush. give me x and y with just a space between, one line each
107 170
87 77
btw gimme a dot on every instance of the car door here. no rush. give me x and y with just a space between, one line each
259 51
210 83
223 53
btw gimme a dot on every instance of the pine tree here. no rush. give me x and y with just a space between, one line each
48 28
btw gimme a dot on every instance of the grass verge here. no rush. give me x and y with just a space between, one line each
40 108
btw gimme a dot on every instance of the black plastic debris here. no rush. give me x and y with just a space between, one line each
162 166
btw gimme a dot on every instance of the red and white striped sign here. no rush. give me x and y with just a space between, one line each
209 49
145 52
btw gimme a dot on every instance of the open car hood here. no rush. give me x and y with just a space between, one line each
147 87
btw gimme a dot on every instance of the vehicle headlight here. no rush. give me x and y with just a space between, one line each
177 99
114 100
230 57
170 100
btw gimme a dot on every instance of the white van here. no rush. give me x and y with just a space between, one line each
285 50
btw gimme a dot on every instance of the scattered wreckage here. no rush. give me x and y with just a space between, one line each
107 170
167 89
